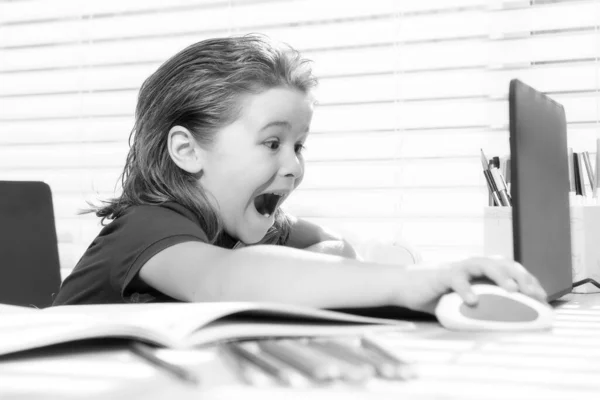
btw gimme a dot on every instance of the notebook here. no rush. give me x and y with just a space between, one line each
177 325
30 269
540 188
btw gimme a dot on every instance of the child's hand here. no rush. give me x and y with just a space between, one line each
428 282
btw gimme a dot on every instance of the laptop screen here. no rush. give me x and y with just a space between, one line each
540 188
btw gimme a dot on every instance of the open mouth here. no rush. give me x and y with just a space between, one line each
267 203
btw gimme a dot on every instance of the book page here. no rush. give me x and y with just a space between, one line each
173 324
179 320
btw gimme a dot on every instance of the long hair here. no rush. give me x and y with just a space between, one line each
200 89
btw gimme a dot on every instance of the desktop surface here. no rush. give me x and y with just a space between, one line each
547 365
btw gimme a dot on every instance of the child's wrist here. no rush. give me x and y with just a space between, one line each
396 282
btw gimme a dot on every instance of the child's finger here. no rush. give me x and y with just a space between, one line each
526 282
516 277
498 270
460 284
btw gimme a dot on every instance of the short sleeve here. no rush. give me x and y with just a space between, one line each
108 272
140 235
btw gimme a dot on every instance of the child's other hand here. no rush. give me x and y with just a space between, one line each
427 282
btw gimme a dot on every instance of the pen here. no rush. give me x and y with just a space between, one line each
498 182
148 354
490 183
501 185
492 187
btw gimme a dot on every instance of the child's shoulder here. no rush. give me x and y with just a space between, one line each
167 218
167 209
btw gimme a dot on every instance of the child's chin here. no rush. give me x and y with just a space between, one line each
253 237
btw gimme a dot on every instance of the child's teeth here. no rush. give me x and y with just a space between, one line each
266 215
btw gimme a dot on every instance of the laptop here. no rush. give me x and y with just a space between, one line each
540 188
29 262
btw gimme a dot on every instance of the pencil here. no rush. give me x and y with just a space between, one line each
148 354
357 369
301 358
279 372
405 369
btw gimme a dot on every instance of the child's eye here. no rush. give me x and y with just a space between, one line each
299 148
272 144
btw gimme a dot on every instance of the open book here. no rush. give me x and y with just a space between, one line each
176 325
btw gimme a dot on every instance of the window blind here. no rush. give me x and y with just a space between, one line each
409 92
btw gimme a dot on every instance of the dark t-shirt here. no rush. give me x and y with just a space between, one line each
108 270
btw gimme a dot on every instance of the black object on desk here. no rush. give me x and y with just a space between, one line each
389 312
540 188
30 273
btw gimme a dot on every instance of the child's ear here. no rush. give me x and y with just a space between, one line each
184 150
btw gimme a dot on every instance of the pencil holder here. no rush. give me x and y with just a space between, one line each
585 240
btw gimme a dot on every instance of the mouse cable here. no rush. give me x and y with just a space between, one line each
586 280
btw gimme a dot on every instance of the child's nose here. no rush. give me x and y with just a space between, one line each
291 165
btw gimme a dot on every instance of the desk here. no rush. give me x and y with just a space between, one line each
548 365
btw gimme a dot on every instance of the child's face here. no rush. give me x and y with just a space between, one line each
256 162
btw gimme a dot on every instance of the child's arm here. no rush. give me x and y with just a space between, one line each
195 271
309 236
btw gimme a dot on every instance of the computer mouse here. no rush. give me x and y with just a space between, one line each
496 310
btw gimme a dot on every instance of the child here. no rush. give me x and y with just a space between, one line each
217 148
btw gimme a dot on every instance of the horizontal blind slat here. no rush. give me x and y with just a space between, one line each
366 88
382 57
75 130
352 117
40 10
420 232
387 202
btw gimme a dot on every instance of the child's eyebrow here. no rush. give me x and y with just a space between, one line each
276 123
